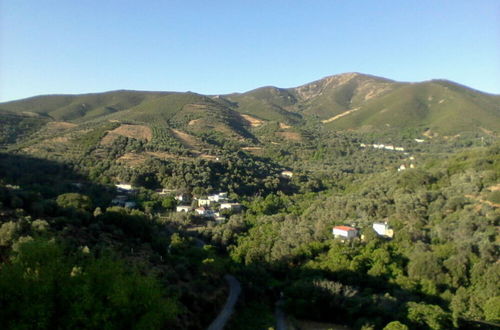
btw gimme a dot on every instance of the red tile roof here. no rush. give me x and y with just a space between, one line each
346 228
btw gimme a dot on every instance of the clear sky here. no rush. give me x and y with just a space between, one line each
222 46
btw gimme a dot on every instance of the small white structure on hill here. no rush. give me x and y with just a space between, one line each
287 174
124 186
204 202
204 212
230 206
183 208
345 232
183 198
383 229
219 219
222 196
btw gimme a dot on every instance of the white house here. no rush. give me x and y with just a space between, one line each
220 220
399 149
419 140
383 229
164 191
124 186
204 212
402 167
183 208
287 174
204 202
230 206
218 197
345 232
182 198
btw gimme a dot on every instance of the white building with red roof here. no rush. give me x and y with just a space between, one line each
345 232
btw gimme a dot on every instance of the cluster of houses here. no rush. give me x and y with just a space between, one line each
208 207
401 167
348 232
382 146
125 196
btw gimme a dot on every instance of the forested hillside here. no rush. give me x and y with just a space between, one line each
91 235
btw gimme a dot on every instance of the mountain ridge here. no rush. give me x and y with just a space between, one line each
348 101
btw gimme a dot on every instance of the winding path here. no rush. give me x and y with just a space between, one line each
227 310
234 292
279 314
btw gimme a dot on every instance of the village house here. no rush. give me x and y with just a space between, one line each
230 206
183 208
383 229
345 232
182 198
205 212
220 219
164 191
287 174
124 187
204 202
222 196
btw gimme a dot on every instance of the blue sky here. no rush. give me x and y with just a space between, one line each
217 47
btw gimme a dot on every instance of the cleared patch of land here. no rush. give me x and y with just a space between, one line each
60 125
165 155
194 122
188 141
254 122
132 159
140 132
494 188
343 114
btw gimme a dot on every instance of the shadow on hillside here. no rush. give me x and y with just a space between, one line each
49 178
341 297
28 190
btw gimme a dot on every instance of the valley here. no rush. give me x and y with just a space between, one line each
263 179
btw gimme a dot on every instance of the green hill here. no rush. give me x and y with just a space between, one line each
442 107
80 107
350 101
333 95
268 103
